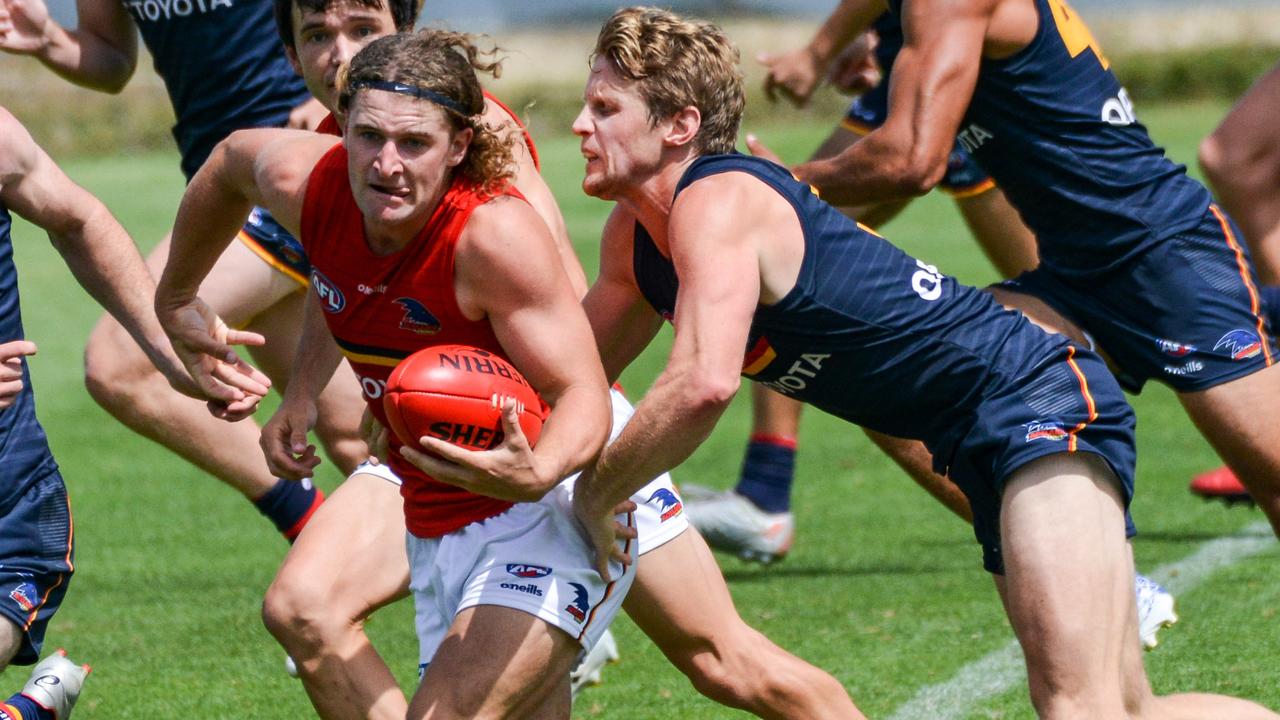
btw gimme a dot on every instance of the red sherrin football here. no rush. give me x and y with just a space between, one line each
455 393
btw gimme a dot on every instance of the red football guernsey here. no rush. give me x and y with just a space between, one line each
380 309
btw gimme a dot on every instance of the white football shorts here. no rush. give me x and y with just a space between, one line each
659 510
533 558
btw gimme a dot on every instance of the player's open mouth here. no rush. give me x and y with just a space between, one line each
398 192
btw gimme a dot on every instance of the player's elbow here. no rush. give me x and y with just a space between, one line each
711 393
919 175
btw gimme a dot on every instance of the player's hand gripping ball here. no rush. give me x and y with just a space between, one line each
456 393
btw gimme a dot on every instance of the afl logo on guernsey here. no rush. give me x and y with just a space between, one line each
330 296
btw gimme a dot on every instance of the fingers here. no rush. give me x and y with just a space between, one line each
512 432
234 410
245 337
761 150
285 447
243 377
16 349
603 556
435 467
624 507
9 391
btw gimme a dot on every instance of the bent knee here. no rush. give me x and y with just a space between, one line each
295 609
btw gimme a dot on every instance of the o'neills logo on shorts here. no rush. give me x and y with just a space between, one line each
529 589
1045 431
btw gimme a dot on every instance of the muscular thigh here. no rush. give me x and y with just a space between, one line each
495 662
352 550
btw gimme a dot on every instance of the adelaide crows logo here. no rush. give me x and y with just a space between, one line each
417 317
580 605
1241 344
25 596
668 502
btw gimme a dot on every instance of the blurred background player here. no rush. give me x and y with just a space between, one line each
37 543
1133 251
760 278
223 69
754 519
1241 160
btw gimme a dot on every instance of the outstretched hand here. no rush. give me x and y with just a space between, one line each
23 26
794 75
508 471
202 341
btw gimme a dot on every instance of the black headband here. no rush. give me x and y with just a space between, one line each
411 90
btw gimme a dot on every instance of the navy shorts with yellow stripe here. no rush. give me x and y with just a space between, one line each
1186 313
37 557
964 177
1070 404
271 242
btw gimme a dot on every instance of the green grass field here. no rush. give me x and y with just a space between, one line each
884 588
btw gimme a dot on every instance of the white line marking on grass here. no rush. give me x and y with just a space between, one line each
1001 670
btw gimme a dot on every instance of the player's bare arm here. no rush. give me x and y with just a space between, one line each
716 247
284 436
797 73
99 252
101 53
933 81
263 167
623 322
508 270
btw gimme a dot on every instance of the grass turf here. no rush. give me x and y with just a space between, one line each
883 589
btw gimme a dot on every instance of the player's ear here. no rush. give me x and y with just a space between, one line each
292 54
458 146
685 125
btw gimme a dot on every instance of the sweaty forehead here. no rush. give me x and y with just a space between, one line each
389 111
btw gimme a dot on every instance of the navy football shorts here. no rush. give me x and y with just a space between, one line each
1070 404
964 177
37 558
1186 313
275 245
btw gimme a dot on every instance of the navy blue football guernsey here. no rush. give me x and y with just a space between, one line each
889 31
870 334
223 65
1055 129
24 451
